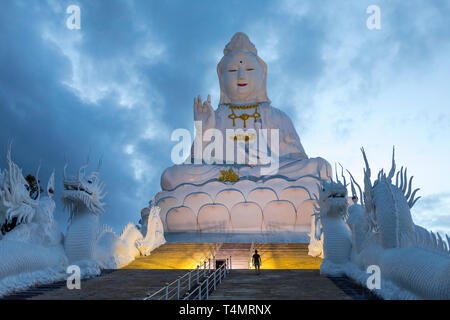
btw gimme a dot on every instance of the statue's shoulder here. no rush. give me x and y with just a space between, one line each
267 107
222 107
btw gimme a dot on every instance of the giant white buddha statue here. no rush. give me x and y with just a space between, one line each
263 136
244 105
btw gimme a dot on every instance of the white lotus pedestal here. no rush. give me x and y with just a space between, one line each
242 207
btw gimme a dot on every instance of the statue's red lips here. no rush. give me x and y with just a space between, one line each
242 84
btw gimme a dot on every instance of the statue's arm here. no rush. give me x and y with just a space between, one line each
205 116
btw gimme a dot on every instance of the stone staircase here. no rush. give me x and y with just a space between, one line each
239 253
286 256
273 255
174 256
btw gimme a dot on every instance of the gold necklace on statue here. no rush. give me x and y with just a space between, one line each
255 115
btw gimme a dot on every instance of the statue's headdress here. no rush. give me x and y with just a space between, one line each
241 42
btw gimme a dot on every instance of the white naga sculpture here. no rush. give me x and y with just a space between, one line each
86 242
260 177
329 222
413 263
33 250
35 243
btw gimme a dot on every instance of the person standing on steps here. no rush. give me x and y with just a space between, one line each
256 260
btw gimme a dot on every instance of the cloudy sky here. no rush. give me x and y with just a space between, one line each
122 83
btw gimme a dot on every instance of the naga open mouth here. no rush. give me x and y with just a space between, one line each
337 195
84 191
77 188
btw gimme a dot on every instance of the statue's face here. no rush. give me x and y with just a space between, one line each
242 77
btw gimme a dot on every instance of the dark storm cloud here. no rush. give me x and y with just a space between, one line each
46 120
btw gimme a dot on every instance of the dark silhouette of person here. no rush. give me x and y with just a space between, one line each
256 260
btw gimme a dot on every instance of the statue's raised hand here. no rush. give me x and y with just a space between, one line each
204 112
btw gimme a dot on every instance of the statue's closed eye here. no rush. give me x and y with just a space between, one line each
250 69
232 70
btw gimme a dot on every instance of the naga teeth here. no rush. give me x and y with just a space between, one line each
337 195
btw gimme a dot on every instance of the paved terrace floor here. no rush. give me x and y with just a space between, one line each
129 284
124 284
287 285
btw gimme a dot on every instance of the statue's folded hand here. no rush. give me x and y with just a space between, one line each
204 112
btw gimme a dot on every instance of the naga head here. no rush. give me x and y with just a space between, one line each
331 202
402 187
84 192
332 198
387 204
18 204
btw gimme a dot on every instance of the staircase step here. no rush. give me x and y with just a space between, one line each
286 256
239 253
174 256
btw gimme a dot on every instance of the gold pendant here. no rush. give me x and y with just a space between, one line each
255 115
